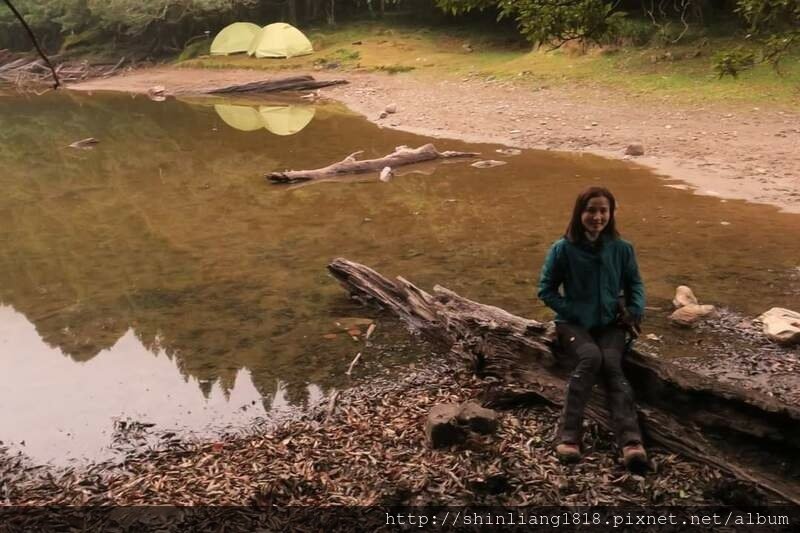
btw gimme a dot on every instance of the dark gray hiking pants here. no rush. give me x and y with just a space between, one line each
599 358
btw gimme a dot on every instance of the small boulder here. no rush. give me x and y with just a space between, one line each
383 115
781 325
441 426
688 315
391 108
684 296
479 419
635 149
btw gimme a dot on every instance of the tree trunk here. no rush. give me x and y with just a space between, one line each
293 83
402 155
331 16
679 410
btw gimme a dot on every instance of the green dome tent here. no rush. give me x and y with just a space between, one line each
234 38
280 40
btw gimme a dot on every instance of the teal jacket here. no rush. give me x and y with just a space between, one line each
593 277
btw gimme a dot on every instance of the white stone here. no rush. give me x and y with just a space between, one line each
781 325
684 296
391 108
688 315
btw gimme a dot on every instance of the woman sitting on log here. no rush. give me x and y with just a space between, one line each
594 266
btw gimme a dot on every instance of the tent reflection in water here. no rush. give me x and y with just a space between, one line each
286 120
240 117
234 38
277 119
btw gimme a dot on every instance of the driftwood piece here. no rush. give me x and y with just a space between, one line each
680 410
293 83
26 71
402 155
427 168
85 144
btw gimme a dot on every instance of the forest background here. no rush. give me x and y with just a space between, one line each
743 33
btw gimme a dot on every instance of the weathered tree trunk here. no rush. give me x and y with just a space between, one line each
402 155
291 6
331 15
294 83
679 410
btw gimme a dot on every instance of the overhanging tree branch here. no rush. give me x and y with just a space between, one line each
17 14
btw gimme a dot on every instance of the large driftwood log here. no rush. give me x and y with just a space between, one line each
402 155
679 410
426 168
293 83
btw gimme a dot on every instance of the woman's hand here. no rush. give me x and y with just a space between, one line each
631 323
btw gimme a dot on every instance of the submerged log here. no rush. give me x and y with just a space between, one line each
402 155
293 83
679 410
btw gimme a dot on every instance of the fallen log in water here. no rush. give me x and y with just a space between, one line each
293 83
679 410
402 155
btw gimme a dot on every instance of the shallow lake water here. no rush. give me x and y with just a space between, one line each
158 278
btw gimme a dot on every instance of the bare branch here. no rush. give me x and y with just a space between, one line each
17 14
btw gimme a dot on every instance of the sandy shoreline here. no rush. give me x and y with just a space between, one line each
719 150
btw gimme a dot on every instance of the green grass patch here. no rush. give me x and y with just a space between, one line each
394 69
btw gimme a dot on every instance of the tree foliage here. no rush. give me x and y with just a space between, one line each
550 21
777 22
169 24
154 19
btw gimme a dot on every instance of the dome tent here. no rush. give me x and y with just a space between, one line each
280 40
234 38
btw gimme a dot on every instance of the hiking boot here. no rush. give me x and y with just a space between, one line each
568 452
635 458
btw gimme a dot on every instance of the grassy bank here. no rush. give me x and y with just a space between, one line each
682 70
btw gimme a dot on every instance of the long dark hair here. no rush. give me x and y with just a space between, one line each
575 230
